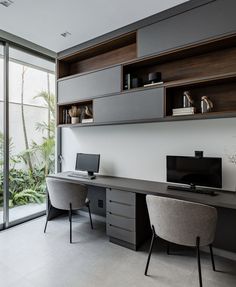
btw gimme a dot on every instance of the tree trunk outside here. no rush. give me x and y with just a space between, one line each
23 119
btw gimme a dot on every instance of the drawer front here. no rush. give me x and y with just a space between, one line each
121 234
122 209
121 221
121 196
130 106
89 86
201 23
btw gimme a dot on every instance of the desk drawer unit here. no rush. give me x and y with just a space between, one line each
121 216
121 221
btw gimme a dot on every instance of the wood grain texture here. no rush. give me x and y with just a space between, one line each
192 67
104 60
117 50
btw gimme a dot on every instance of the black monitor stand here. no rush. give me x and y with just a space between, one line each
193 188
91 175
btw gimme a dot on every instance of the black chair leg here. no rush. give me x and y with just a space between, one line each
91 222
150 250
70 219
212 258
47 217
199 261
168 248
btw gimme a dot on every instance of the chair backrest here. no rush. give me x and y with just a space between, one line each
63 193
180 221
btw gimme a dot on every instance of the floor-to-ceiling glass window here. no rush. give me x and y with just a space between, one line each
32 131
1 132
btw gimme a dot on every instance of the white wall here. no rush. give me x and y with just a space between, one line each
139 151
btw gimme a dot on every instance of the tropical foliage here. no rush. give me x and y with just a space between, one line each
27 185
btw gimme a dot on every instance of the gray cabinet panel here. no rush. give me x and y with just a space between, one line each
141 105
125 210
195 25
121 196
122 234
90 85
121 221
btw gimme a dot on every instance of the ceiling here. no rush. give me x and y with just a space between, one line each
42 21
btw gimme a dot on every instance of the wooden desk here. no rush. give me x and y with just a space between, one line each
225 202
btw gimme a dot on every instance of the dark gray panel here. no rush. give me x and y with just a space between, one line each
97 197
91 85
121 221
121 196
121 209
145 104
225 230
195 25
121 234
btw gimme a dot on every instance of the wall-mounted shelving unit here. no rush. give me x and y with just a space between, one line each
97 76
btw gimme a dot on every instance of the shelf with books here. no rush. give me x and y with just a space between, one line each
75 113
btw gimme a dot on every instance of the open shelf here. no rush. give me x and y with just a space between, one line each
204 69
64 118
190 64
221 91
108 53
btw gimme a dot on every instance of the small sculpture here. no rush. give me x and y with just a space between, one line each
206 105
88 112
187 100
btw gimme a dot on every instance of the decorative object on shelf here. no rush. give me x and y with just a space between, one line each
187 99
88 112
127 82
206 105
184 111
154 79
74 113
135 83
198 153
87 116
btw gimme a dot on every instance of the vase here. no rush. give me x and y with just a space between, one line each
74 120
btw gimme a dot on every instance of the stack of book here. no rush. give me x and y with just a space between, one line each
66 119
87 121
184 111
153 84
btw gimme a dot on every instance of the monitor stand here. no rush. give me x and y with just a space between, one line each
192 188
91 175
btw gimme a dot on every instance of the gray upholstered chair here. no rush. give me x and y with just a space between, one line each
182 222
67 196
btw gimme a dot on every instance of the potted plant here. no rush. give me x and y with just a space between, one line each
74 113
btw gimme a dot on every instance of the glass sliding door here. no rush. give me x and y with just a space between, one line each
31 132
1 132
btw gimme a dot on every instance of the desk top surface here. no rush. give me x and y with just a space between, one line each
224 199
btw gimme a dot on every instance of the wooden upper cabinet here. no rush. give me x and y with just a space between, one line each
208 21
89 86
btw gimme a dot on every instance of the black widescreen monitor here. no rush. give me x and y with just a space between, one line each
194 171
87 162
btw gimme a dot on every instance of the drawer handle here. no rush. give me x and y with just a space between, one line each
119 215
118 227
118 202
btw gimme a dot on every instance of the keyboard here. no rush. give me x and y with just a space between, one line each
81 175
197 190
